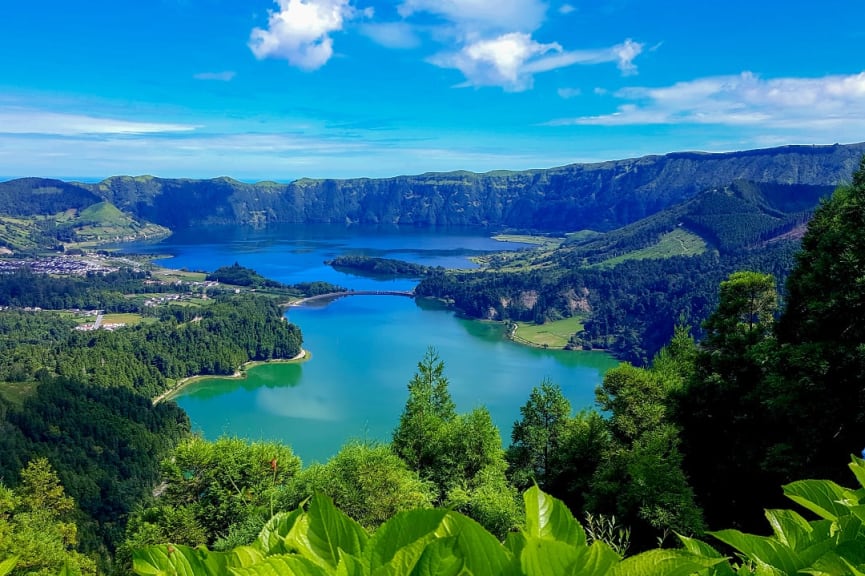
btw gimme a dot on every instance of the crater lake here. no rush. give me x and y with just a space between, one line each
363 349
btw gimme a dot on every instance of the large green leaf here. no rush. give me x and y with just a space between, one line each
323 531
662 562
844 559
285 565
597 560
762 549
351 566
850 529
858 512
6 566
823 497
790 528
400 541
220 562
480 551
515 542
700 548
168 559
442 557
541 557
548 517
760 568
271 539
857 466
181 560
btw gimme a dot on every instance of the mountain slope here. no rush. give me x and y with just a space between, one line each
38 213
601 196
729 218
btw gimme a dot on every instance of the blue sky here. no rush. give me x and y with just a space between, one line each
263 89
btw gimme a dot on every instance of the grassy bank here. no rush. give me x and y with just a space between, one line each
548 335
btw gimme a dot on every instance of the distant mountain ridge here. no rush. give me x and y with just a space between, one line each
600 196
732 218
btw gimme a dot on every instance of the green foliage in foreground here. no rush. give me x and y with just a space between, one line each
320 540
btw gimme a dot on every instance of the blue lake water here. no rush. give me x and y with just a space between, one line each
364 349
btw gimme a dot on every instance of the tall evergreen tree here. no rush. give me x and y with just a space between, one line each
418 437
460 454
537 437
724 429
821 373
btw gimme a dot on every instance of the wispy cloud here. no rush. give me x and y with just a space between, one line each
622 54
391 34
474 18
21 120
502 61
495 43
225 76
491 42
311 153
830 102
300 31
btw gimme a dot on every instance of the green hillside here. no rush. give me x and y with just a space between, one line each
632 284
679 242
72 227
600 196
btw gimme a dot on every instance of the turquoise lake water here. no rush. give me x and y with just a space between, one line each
364 349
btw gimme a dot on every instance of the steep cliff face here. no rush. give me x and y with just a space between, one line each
600 196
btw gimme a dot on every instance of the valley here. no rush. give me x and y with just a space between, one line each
504 324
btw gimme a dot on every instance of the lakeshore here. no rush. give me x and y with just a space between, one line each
365 349
301 356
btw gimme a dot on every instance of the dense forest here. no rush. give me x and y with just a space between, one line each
629 296
699 439
380 267
76 405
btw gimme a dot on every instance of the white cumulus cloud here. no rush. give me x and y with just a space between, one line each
300 31
495 43
499 61
625 54
491 42
829 108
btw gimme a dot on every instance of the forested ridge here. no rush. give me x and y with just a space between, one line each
602 196
629 296
686 449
